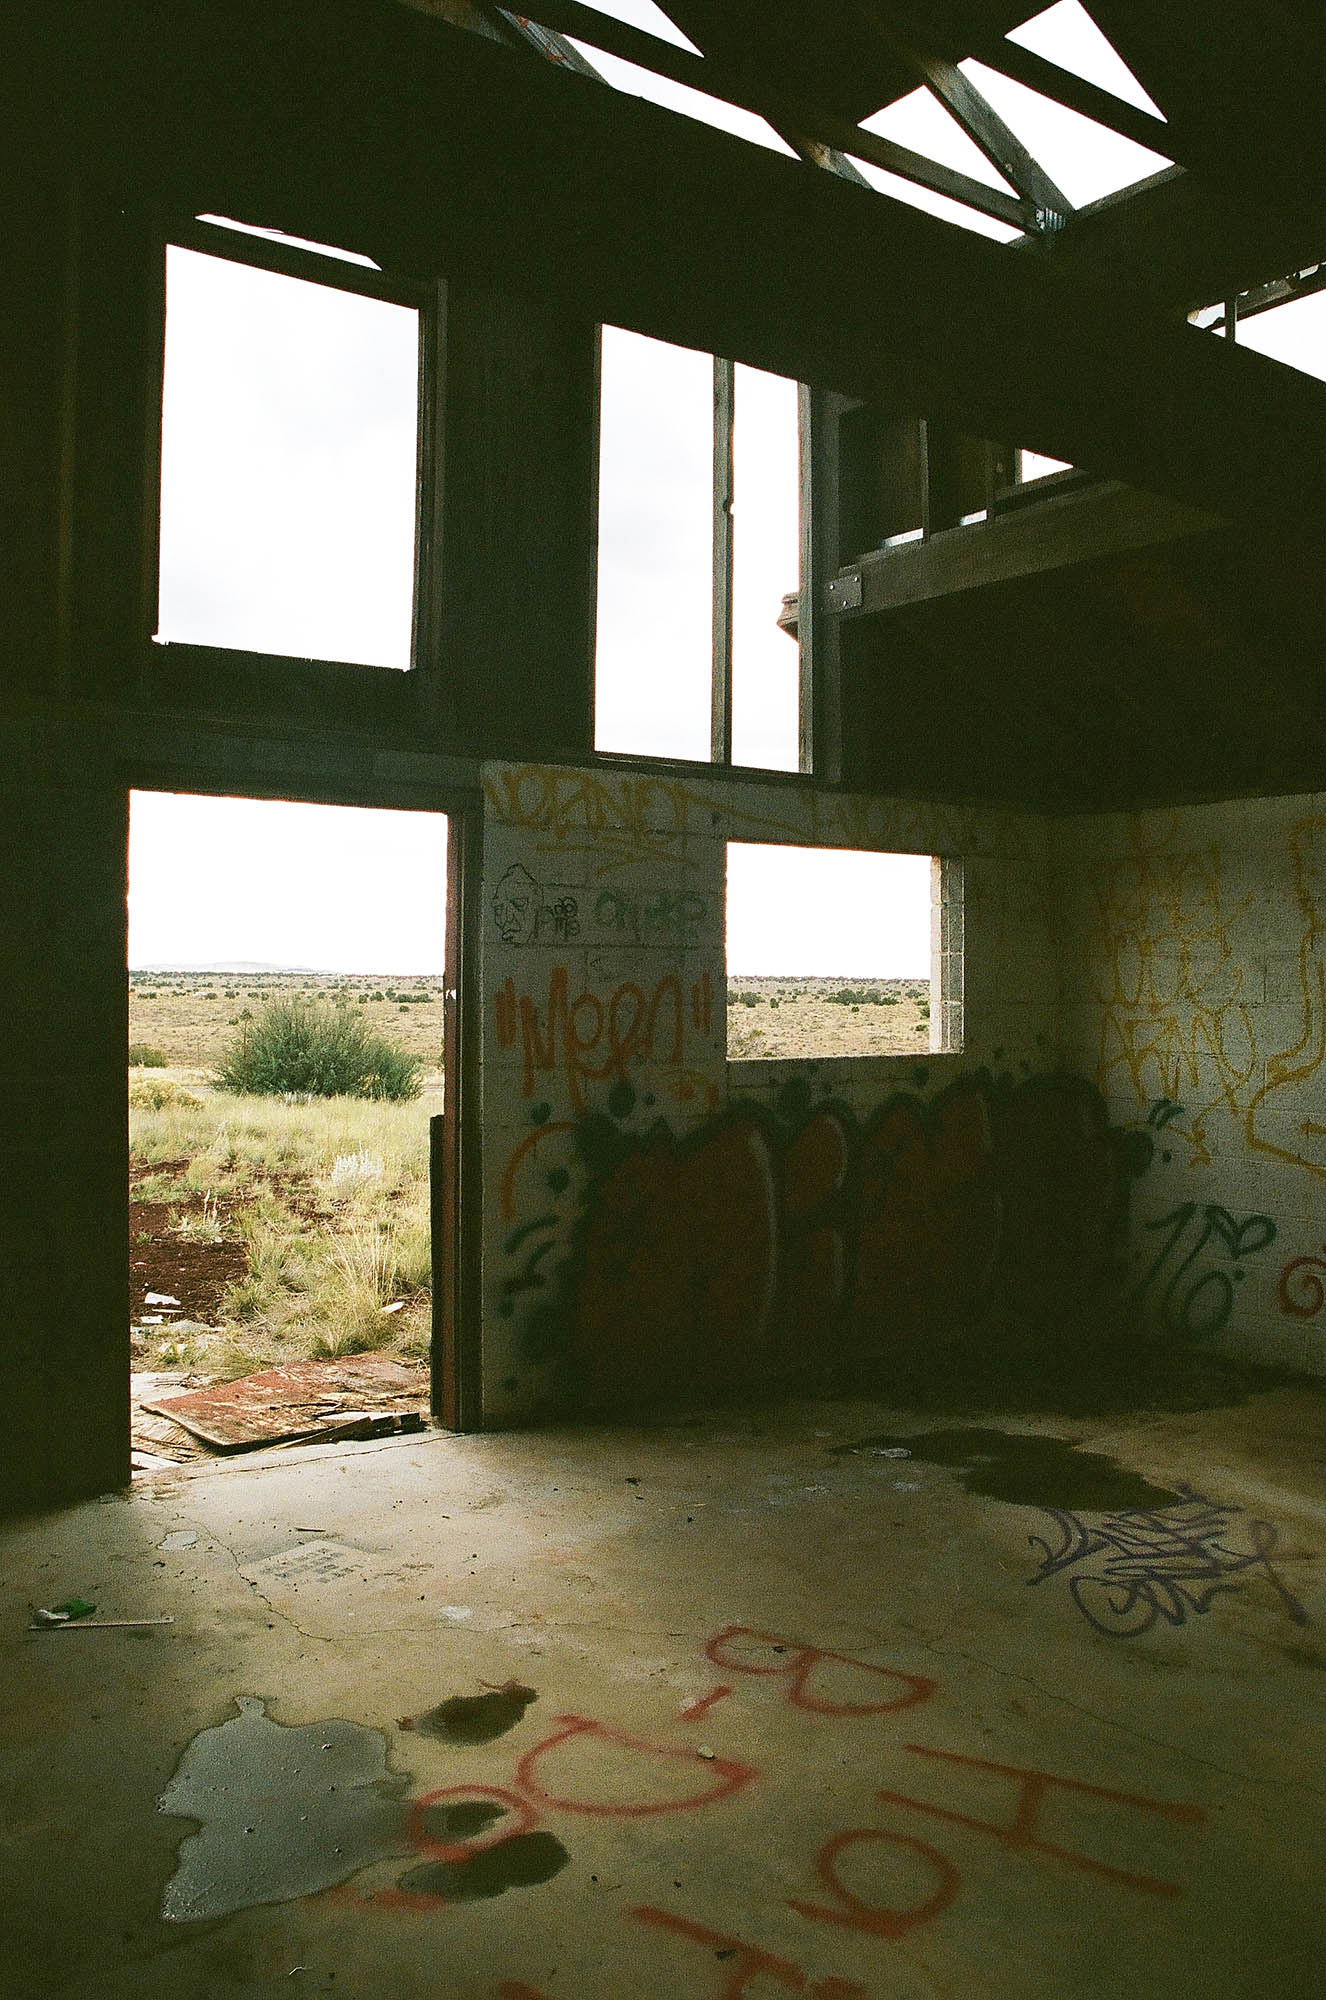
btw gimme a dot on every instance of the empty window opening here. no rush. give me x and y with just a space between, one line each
766 517
644 14
636 81
920 122
655 569
289 463
941 205
832 952
285 1060
698 547
1293 333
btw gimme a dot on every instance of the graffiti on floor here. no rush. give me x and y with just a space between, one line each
718 1255
1027 1812
815 1676
1160 1563
596 1037
743 1962
1189 1285
1300 1289
286 1812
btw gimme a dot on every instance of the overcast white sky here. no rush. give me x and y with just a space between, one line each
288 469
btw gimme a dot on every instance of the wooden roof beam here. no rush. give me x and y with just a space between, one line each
361 122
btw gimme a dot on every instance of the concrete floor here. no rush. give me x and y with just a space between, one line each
743 1713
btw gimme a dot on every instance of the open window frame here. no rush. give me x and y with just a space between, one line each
383 701
819 753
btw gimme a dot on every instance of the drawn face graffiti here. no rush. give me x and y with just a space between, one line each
516 902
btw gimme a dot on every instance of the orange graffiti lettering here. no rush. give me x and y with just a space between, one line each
877 1919
748 1961
590 1038
1020 1833
797 1662
723 1775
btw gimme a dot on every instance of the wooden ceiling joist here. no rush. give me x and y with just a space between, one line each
371 126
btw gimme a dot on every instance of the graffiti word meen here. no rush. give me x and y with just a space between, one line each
1159 1563
1201 1306
590 1038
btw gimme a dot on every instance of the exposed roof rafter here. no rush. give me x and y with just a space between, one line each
815 125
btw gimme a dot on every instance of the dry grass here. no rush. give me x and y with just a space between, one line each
803 1018
329 1200
190 1017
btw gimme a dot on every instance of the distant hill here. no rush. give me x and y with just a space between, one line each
240 965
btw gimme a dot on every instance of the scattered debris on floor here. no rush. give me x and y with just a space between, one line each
49 1624
306 1402
65 1613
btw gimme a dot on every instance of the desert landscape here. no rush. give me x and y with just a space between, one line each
842 1016
273 1228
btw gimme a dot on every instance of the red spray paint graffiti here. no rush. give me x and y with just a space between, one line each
742 1650
726 1255
723 1775
747 1961
592 1037
1033 1786
1300 1290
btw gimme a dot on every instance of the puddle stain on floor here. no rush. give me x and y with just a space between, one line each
474 1718
518 1863
1025 1470
283 1812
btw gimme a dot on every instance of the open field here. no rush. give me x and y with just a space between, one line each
286 1230
842 1016
190 1016
282 1230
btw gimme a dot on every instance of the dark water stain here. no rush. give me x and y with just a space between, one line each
1305 1656
1028 1471
474 1718
459 1821
517 1863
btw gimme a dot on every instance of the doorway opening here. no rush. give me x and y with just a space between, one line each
289 1037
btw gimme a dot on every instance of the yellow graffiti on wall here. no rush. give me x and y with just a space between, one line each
1291 1067
1180 1006
616 819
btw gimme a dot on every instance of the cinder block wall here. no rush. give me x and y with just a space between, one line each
64 1349
603 983
1193 948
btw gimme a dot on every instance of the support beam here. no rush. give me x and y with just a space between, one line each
815 124
369 125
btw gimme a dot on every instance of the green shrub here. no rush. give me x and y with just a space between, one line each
143 1056
295 1047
